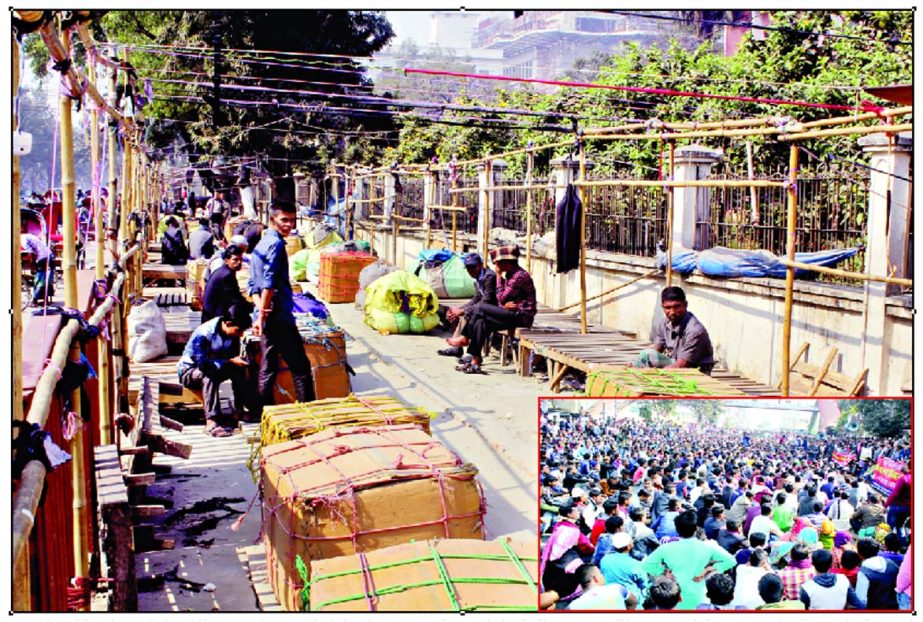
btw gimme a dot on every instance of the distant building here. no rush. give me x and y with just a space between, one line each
546 43
734 35
771 415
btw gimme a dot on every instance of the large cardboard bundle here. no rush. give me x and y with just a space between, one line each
290 421
444 575
339 275
325 347
195 282
353 490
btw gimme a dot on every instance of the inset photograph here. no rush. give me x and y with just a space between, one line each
734 504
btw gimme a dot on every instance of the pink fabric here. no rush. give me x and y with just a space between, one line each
565 536
903 576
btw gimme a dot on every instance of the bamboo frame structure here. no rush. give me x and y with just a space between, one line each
790 271
612 290
455 216
848 131
859 276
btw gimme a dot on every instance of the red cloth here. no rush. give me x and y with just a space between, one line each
599 527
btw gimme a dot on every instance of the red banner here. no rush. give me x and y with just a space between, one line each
885 474
843 458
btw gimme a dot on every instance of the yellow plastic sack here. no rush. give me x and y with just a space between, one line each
400 302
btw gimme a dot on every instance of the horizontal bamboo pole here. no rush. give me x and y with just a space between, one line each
30 489
655 124
449 208
699 183
463 190
514 187
861 276
890 112
721 133
846 131
375 200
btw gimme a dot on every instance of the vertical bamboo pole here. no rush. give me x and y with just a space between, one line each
530 165
754 203
582 177
336 196
102 348
113 154
489 176
789 271
78 445
428 213
371 211
455 215
17 259
346 194
670 218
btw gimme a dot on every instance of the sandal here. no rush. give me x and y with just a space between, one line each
470 368
454 351
218 431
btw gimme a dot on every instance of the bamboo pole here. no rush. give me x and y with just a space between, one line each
859 276
488 175
335 179
347 207
16 257
530 165
102 361
78 443
611 290
113 141
790 272
580 197
725 133
847 131
890 112
428 239
647 183
754 205
670 217
455 216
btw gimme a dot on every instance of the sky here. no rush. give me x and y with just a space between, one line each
410 25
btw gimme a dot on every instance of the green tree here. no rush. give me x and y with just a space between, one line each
881 418
706 411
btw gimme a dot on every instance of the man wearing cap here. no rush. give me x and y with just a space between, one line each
680 340
485 281
619 567
222 290
516 307
201 241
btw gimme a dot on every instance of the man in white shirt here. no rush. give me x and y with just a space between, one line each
764 524
841 508
597 596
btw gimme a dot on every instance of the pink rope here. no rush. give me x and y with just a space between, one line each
72 425
865 105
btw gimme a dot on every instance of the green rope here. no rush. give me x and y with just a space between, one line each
449 588
417 560
430 582
305 591
522 569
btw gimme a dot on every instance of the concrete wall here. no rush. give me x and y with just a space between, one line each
743 316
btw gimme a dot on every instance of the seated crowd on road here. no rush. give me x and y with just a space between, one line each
666 515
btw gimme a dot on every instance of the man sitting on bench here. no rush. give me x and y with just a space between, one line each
485 281
517 307
680 340
213 356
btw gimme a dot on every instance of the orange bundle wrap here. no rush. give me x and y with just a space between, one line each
339 275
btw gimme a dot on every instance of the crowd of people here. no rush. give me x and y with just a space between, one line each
663 515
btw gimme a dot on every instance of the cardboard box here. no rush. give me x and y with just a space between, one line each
443 575
291 421
195 282
353 490
339 275
325 347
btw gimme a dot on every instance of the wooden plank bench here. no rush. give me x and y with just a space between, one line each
631 382
820 380
115 520
169 389
180 326
154 271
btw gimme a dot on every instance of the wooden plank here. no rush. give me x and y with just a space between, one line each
140 479
163 271
159 444
147 511
170 424
134 451
110 487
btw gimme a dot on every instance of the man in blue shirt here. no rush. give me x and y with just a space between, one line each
211 357
275 324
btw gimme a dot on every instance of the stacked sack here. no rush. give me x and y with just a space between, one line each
400 302
351 476
369 275
446 274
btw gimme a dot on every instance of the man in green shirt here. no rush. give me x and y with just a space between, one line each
689 560
782 515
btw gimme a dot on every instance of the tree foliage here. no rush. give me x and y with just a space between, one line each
788 62
881 418
275 130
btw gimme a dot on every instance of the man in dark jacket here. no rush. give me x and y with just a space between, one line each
877 578
222 289
486 291
173 251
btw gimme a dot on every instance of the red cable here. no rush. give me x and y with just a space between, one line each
865 105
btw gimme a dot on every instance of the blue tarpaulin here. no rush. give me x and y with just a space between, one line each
735 263
684 260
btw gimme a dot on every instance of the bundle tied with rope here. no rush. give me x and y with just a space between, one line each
286 422
355 490
444 575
